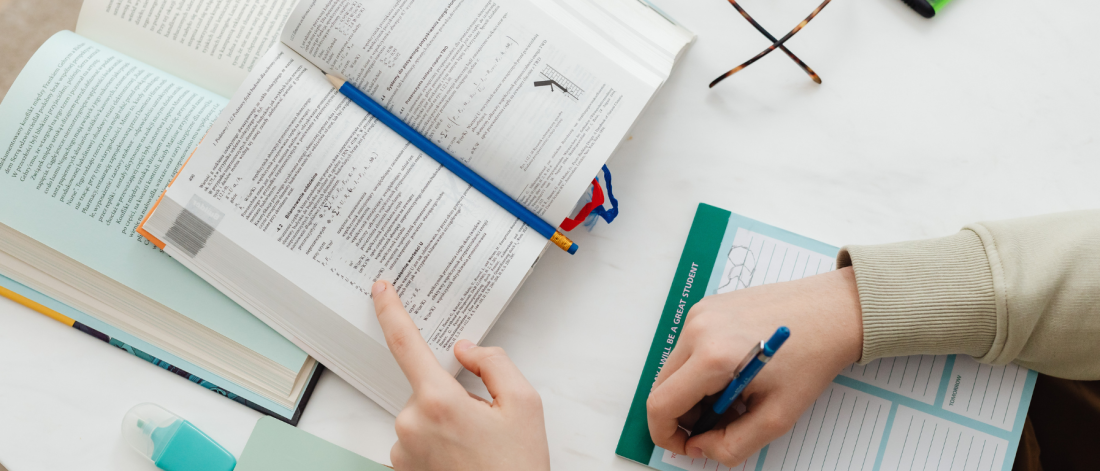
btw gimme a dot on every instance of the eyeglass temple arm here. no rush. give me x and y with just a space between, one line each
773 46
813 75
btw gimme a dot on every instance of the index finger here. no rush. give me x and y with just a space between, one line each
403 337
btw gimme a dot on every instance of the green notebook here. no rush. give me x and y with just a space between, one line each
276 446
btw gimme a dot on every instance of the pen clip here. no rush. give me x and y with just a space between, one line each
745 362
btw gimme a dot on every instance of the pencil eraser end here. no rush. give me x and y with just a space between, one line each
573 248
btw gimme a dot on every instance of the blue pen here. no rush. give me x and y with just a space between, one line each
452 164
745 372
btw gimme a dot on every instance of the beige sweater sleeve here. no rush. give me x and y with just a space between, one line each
1022 290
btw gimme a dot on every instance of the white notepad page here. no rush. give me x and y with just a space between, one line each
921 412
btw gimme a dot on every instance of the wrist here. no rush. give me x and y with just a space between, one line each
930 296
849 314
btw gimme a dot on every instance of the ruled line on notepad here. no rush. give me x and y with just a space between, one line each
703 464
988 393
917 376
923 442
755 259
842 430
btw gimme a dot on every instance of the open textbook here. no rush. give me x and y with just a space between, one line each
89 136
921 412
297 200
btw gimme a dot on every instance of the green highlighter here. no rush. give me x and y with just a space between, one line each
926 8
171 443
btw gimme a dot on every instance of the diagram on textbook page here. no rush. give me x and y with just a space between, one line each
920 412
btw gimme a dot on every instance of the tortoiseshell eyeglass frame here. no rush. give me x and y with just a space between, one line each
776 43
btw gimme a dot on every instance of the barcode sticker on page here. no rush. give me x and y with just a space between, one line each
194 225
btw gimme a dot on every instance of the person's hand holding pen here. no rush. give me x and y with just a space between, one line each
824 316
443 427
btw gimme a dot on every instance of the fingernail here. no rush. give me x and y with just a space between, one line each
378 288
464 345
695 452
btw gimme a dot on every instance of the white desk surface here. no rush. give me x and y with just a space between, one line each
991 110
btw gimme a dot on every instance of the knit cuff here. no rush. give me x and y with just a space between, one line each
922 297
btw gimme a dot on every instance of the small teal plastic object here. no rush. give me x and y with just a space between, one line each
171 443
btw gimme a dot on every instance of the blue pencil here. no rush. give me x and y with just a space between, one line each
450 163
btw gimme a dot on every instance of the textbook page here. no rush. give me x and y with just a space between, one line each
88 138
322 195
921 412
210 43
499 84
629 31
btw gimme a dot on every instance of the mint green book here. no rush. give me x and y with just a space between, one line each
275 446
915 412
90 135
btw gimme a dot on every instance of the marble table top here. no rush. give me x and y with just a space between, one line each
989 111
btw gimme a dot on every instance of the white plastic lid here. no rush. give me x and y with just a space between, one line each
139 424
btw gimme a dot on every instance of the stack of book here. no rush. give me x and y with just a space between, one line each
275 224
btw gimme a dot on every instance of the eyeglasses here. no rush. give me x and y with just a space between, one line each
776 43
